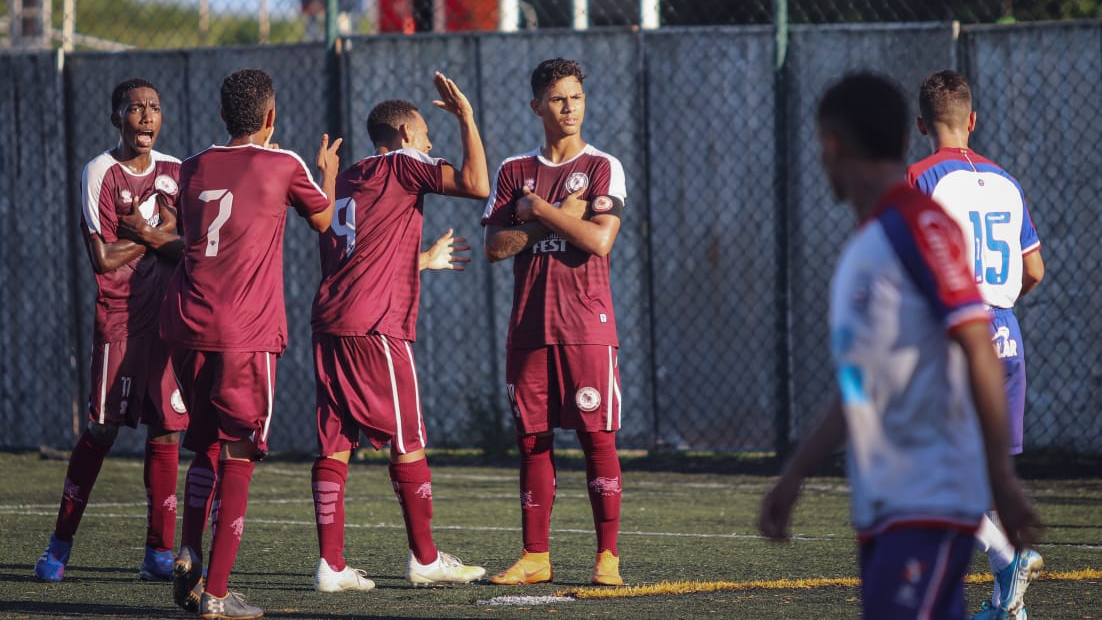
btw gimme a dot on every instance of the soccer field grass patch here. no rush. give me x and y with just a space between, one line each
688 542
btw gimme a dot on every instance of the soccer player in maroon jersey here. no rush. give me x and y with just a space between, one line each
556 210
224 315
129 222
364 322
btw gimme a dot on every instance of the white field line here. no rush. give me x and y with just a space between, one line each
41 510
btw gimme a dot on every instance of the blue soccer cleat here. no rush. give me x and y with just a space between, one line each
157 565
1015 579
1011 582
51 565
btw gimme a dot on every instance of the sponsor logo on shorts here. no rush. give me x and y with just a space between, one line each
907 594
577 181
512 389
166 184
1004 344
588 399
602 204
177 402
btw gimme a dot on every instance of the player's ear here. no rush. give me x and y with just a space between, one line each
116 120
269 118
921 124
535 105
972 121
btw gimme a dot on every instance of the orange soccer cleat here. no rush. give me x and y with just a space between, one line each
606 570
530 568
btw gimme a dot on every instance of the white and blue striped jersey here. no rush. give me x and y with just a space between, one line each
989 206
915 451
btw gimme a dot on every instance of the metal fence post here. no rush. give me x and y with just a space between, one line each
783 328
333 69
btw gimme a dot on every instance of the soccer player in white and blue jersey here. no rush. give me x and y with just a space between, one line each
920 401
989 206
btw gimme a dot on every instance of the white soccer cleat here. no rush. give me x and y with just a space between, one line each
349 579
446 569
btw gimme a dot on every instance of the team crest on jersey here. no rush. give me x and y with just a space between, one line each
530 185
587 399
166 184
577 181
602 204
126 196
177 402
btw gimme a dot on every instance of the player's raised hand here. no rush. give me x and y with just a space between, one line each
328 160
451 98
441 255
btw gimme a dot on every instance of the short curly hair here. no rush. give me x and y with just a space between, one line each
945 97
550 71
124 87
245 98
386 117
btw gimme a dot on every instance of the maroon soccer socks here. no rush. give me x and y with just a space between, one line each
329 477
413 487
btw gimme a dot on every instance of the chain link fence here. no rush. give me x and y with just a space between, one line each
112 25
721 269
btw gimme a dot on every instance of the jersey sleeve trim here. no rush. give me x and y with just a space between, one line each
92 181
492 200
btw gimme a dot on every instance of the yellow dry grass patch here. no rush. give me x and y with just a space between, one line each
673 588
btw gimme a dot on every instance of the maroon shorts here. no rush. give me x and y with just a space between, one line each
575 386
132 382
367 383
229 395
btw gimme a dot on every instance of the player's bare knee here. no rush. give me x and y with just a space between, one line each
243 450
160 435
103 434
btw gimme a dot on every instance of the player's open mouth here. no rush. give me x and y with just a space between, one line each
144 138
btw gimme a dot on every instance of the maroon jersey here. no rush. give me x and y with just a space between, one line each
227 294
128 299
561 293
371 282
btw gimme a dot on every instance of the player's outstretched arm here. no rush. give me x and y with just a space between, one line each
441 254
472 180
1023 526
329 164
775 514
